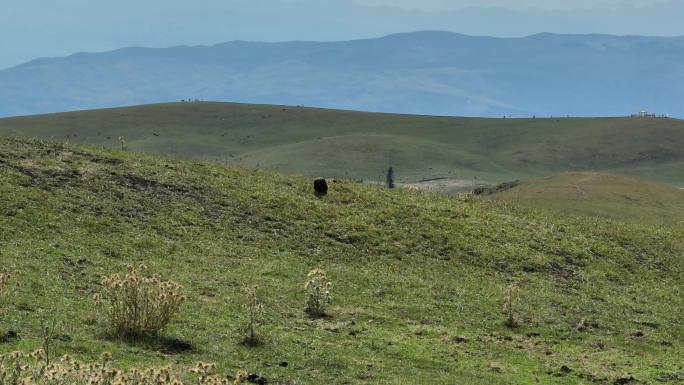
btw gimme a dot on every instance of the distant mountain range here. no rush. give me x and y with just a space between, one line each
435 73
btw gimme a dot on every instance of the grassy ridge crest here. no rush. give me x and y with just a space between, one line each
360 145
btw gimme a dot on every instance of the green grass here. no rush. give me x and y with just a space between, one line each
596 194
359 145
412 272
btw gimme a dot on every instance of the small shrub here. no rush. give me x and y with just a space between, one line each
255 315
136 305
318 292
511 298
49 330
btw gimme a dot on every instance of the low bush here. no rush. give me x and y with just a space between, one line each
137 305
317 288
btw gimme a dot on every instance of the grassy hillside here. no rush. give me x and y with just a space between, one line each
359 145
417 277
613 196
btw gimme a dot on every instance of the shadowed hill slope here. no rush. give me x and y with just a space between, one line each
361 145
612 196
417 278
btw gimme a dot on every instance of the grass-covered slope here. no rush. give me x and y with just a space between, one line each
607 195
418 278
362 145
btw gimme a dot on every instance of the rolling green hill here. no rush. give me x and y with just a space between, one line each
417 277
358 145
612 196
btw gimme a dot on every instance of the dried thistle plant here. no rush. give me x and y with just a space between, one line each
511 298
136 305
5 277
205 372
241 377
32 369
255 315
317 288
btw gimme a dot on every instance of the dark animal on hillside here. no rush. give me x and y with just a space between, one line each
320 186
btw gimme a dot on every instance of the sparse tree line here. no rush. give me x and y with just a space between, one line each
139 305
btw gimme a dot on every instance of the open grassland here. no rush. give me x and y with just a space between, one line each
418 279
359 145
596 194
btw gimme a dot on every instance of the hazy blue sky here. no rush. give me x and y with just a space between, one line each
545 4
38 28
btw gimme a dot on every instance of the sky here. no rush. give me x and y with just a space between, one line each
31 29
512 4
